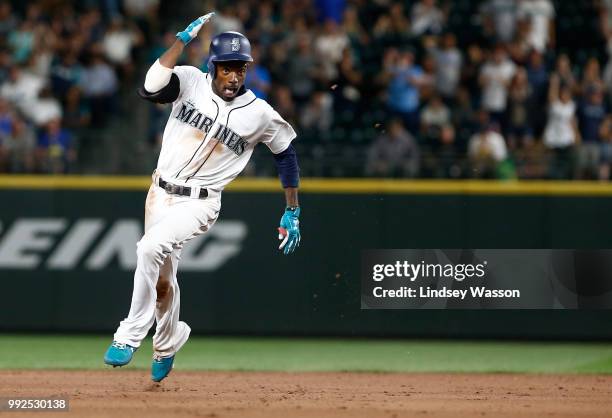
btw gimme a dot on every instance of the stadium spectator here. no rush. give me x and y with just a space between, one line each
605 18
90 28
520 109
21 41
427 18
99 85
264 26
65 74
605 133
302 71
351 25
539 16
55 151
427 82
537 75
404 81
258 77
563 70
495 78
8 20
317 116
486 149
519 47
532 160
330 10
347 83
561 133
21 145
5 155
382 29
607 74
77 114
400 25
499 19
463 118
118 43
591 114
448 66
22 87
591 77
7 116
42 109
441 160
328 47
433 116
475 59
227 19
145 14
394 153
283 103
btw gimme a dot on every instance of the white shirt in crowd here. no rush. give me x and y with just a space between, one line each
539 13
489 143
559 130
41 111
503 14
426 18
23 90
435 116
448 64
495 90
118 45
328 48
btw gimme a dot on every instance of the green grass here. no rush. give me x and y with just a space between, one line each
299 354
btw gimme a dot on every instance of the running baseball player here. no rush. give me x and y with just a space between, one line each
210 135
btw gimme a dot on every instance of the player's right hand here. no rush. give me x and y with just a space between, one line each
194 27
289 231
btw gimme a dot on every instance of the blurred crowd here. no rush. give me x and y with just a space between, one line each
60 69
414 88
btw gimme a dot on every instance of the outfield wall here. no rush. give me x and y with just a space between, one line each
67 253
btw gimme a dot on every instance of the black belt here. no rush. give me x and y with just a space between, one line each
180 190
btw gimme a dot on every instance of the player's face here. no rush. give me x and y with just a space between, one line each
229 79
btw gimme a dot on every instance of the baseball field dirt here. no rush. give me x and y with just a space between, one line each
130 393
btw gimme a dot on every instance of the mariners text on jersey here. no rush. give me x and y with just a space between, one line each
193 117
208 141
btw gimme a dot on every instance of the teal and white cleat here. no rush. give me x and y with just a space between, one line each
119 354
160 367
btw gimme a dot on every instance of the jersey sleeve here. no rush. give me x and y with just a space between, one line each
188 77
278 134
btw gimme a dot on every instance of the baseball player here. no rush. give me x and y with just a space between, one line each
210 135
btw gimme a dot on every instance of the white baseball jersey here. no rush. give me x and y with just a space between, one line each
207 141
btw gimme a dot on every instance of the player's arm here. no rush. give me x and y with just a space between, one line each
289 173
161 84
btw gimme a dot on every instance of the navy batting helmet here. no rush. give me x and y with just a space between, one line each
228 46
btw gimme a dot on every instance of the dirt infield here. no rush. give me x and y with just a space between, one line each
128 393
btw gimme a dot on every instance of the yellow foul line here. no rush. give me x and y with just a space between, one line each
327 186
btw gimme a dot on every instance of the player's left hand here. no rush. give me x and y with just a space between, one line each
194 27
289 231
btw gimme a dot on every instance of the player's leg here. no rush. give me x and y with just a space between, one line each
170 333
181 222
126 342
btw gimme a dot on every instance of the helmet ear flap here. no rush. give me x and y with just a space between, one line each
211 68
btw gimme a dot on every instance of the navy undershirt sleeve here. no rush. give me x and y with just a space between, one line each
288 169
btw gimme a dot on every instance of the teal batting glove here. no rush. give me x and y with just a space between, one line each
194 27
289 230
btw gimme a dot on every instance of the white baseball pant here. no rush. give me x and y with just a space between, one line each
170 221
